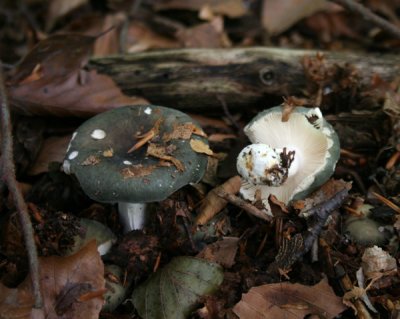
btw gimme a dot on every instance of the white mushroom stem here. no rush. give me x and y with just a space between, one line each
132 215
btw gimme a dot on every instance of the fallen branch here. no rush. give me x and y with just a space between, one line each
237 201
199 78
9 179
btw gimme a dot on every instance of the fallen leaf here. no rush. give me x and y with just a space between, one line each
222 252
164 153
205 35
200 147
183 131
230 8
53 150
60 86
213 204
139 170
59 8
63 281
104 27
290 301
174 290
141 37
280 15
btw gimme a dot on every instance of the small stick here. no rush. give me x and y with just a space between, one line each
237 201
367 14
8 176
387 202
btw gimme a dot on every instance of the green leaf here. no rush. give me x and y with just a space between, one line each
173 291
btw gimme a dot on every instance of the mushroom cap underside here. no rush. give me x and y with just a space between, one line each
314 141
98 154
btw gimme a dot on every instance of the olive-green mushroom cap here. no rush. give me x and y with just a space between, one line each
98 154
310 136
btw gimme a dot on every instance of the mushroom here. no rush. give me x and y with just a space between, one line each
134 155
363 229
288 159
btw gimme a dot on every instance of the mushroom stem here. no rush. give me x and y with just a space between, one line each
132 215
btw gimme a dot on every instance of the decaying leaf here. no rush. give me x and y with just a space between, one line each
91 160
291 301
230 8
375 260
141 37
222 252
206 35
200 147
280 15
213 203
174 290
65 283
139 170
52 150
183 131
164 153
50 81
59 8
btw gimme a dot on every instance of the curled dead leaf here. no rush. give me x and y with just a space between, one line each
291 301
200 147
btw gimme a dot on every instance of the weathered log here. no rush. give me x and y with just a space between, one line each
195 78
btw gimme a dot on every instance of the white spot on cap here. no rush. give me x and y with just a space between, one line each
98 134
73 155
66 167
127 162
148 110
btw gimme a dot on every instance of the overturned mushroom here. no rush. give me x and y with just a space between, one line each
289 159
132 155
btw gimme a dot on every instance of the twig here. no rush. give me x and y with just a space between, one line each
237 201
320 214
8 176
367 14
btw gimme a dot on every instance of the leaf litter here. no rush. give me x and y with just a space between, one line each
66 282
58 83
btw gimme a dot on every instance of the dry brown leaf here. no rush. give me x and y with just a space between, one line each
140 38
213 204
222 252
105 28
63 281
59 8
183 131
230 8
53 150
290 301
205 35
50 81
164 153
200 147
280 15
70 97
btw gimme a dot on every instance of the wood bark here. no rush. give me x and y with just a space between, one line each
199 78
